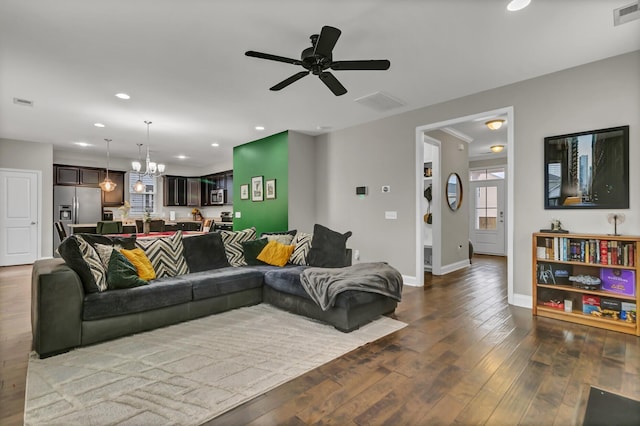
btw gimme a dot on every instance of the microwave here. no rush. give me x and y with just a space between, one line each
218 196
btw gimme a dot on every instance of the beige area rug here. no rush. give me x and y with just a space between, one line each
187 373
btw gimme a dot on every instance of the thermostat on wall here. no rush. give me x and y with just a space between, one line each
361 190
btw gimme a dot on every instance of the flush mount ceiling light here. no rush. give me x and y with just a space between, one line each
215 144
497 148
122 96
107 185
151 168
515 5
82 144
494 124
259 128
98 124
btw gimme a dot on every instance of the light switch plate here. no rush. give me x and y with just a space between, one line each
238 215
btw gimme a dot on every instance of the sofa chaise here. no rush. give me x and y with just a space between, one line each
67 311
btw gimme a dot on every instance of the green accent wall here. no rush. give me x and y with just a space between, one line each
269 158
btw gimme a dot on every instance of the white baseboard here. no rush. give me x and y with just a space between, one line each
410 281
522 300
446 269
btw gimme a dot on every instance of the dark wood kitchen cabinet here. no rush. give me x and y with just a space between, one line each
77 176
175 190
114 198
222 180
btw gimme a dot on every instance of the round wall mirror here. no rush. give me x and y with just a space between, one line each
454 191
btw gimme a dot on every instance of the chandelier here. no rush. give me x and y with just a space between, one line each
152 168
107 185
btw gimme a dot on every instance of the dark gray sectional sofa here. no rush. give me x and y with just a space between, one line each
65 316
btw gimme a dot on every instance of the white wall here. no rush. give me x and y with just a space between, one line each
593 96
34 156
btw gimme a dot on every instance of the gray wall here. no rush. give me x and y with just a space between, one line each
597 95
454 225
34 156
302 206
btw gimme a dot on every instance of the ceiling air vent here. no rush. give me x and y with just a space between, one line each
625 14
380 102
24 102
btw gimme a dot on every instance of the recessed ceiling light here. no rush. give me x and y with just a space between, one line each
215 144
260 128
82 144
98 124
515 5
122 96
182 157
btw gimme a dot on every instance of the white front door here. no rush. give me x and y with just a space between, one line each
487 216
18 217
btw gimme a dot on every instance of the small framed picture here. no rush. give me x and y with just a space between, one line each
244 192
270 189
257 189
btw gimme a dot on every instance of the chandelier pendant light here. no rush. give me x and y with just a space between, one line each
152 168
107 185
139 185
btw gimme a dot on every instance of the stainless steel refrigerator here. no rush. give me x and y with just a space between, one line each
73 205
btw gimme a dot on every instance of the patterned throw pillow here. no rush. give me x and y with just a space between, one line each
302 241
166 254
233 244
90 256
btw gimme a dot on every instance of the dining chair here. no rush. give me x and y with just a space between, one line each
62 233
207 225
109 227
157 225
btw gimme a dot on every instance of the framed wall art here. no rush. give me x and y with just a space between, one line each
257 188
270 189
244 192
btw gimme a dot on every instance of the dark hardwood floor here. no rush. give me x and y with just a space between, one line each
466 357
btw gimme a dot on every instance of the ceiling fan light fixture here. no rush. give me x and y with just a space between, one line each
515 5
494 124
497 148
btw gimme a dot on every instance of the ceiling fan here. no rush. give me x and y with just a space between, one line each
318 58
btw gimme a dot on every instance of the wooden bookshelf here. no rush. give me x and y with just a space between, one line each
612 259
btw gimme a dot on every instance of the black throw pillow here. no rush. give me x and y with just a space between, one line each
328 248
252 249
128 243
204 252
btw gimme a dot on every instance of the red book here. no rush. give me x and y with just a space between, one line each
603 252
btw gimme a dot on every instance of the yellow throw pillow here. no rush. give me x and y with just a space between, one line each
141 262
275 253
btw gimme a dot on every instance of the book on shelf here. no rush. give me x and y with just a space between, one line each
592 250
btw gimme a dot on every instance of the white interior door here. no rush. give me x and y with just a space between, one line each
487 217
18 217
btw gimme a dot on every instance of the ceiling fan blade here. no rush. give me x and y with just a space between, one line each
373 64
332 83
261 55
288 81
326 41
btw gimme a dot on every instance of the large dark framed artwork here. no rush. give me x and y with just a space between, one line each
587 170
